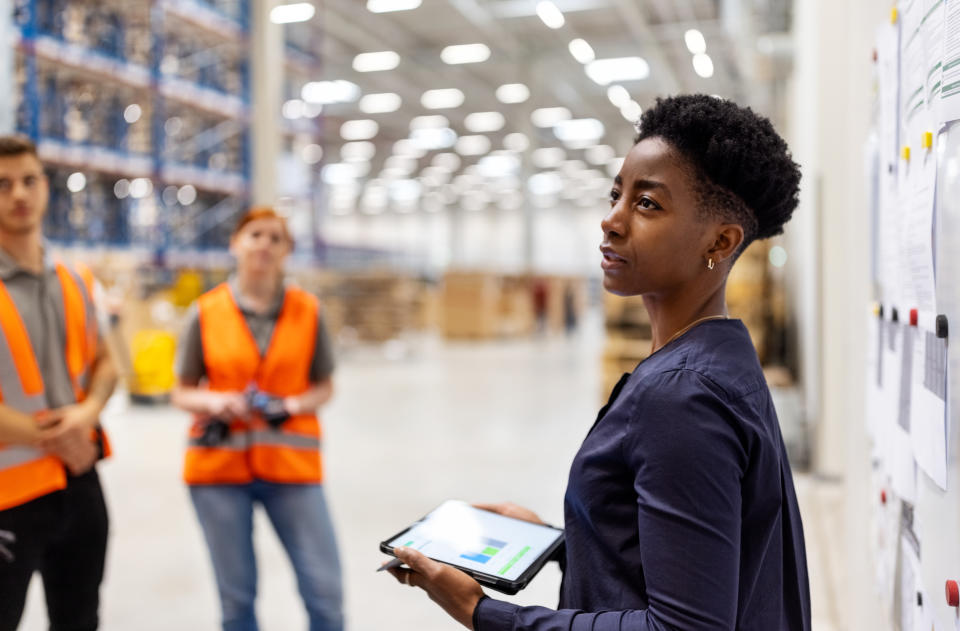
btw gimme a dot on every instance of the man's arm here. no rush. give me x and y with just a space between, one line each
68 433
17 427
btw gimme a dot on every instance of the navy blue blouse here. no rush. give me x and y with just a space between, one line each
680 511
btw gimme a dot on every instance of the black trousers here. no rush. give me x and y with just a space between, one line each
63 536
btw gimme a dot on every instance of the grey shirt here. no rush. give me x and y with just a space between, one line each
39 300
191 366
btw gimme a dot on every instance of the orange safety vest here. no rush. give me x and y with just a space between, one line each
26 472
252 449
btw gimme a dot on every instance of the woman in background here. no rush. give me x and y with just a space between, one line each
254 366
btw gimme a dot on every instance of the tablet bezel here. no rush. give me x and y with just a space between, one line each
506 586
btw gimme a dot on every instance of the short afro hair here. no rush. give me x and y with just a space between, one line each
743 166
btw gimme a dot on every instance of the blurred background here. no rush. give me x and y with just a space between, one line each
444 165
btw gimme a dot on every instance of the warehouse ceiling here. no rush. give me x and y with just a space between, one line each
746 42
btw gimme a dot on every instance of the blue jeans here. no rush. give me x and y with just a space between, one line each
299 514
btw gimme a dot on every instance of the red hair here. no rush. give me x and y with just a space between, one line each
264 212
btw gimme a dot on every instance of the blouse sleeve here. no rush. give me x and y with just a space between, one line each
687 461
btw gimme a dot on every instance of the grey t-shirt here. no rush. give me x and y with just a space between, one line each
39 300
190 364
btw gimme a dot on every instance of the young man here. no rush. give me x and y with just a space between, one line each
55 378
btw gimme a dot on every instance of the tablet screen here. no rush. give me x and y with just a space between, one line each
459 534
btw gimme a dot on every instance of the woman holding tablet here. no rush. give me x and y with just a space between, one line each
680 511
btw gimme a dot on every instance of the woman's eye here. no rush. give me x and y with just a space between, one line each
614 196
646 202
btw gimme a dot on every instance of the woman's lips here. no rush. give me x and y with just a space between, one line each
611 260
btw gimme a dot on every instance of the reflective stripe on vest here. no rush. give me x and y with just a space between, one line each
266 438
27 473
233 362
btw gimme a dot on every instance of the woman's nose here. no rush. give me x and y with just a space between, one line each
612 222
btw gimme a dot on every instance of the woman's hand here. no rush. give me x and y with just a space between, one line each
226 405
509 509
453 590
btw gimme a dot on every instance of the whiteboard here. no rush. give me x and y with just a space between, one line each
937 513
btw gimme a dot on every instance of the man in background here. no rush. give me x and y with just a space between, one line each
55 379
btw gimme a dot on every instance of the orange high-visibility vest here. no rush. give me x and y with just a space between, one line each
27 473
254 450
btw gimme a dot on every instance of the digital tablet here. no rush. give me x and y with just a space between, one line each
500 552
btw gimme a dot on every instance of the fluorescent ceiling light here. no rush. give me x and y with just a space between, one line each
548 157
358 151
549 116
407 147
498 166
76 182
606 71
447 161
293 109
618 95
387 6
465 54
703 65
361 129
405 190
374 62
599 154
549 183
431 139
516 142
380 103
312 153
550 14
186 195
442 99
327 92
466 181
696 44
472 145
484 122
141 187
631 111
406 164
513 93
581 50
434 121
573 168
434 176
579 129
132 113
288 13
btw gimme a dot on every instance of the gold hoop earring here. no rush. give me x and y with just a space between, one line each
710 264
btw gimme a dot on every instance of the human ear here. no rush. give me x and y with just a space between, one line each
727 241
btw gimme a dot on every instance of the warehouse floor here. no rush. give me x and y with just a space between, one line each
412 424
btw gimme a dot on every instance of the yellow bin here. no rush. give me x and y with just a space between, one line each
153 354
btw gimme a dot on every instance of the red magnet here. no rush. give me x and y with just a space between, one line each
883 497
953 594
913 317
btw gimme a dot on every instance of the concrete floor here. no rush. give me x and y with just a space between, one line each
412 424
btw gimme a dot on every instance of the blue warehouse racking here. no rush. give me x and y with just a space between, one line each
142 112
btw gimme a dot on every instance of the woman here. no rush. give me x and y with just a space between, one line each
680 511
254 367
